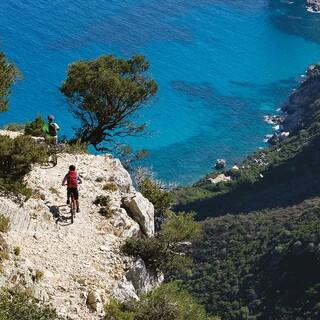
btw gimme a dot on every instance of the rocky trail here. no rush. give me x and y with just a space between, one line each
75 267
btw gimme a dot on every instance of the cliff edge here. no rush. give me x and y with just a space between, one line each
77 267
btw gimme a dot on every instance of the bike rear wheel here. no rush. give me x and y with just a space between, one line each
73 208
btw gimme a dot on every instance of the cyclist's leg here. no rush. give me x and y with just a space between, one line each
76 197
68 195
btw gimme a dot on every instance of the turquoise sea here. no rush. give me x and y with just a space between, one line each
220 66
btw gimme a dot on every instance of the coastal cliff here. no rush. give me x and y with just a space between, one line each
278 175
77 268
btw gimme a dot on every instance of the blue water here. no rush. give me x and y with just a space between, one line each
220 65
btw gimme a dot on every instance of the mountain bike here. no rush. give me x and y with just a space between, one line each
72 206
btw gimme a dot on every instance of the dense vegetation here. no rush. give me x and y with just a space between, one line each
16 158
263 265
17 305
167 302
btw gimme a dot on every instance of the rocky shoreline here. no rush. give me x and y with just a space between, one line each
292 113
313 6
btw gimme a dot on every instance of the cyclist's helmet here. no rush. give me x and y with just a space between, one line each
50 118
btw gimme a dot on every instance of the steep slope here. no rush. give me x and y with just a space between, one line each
263 265
77 267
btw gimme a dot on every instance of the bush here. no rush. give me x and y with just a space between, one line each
103 201
38 276
14 127
17 251
163 253
4 224
166 302
112 187
106 212
34 128
17 157
17 305
4 250
157 195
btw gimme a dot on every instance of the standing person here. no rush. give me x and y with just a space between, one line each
50 130
72 179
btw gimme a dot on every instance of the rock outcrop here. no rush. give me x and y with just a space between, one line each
313 6
77 267
142 211
302 99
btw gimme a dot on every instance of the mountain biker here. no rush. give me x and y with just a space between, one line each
50 130
72 179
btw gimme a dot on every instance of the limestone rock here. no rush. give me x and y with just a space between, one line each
313 6
143 280
93 301
142 211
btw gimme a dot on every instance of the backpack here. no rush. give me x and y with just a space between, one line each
52 129
72 179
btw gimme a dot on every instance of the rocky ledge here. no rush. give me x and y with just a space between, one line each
298 105
313 6
77 267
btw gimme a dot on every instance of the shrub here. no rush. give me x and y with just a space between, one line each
4 252
162 253
166 302
17 251
157 195
38 276
4 223
17 157
18 305
18 127
103 201
112 187
106 212
35 127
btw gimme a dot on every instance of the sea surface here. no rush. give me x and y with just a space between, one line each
220 65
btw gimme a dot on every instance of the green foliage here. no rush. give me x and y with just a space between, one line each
17 305
157 195
104 93
163 252
4 224
17 127
16 158
4 251
263 265
180 227
103 201
111 186
8 75
165 302
17 251
73 146
106 212
38 276
34 128
265 179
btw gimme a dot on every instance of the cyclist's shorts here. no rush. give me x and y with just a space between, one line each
74 191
